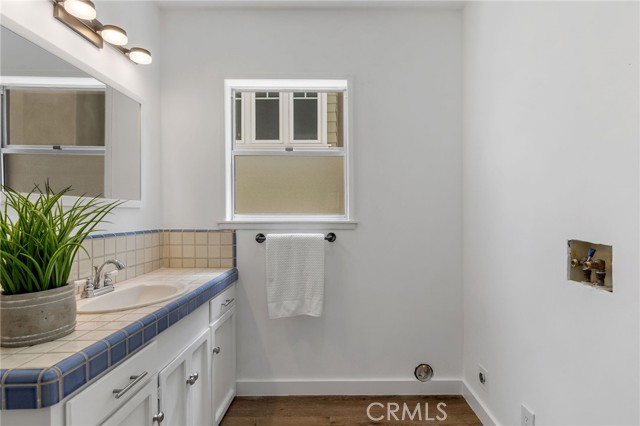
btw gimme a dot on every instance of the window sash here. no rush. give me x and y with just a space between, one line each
299 148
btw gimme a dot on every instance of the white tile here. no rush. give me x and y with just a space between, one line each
46 360
131 242
96 335
139 241
90 325
114 325
42 348
121 244
15 361
110 246
75 335
98 247
108 317
73 346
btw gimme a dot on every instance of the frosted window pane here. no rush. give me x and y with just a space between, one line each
84 173
289 185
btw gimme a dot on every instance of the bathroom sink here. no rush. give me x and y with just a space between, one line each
133 295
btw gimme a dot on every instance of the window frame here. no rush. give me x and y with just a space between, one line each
300 148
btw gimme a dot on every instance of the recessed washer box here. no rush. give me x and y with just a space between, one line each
590 264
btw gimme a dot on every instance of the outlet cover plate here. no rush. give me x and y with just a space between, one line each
527 417
483 377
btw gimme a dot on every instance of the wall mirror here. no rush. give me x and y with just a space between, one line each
61 124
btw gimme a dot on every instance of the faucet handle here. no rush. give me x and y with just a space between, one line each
108 277
89 284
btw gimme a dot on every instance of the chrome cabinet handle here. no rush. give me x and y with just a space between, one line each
158 417
228 302
216 350
193 378
134 381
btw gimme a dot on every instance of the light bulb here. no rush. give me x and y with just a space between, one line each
82 9
140 56
114 35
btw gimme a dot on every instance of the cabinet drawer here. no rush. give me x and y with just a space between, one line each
222 303
98 401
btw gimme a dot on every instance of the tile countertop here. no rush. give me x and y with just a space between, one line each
42 375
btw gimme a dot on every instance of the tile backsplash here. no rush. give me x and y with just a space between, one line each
146 251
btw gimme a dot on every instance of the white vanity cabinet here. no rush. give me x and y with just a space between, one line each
112 397
140 410
184 385
223 338
185 376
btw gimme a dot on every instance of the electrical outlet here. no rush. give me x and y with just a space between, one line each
527 417
483 377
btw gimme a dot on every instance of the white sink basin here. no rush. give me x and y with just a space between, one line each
133 295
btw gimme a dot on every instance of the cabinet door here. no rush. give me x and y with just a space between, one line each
183 385
200 391
140 409
223 339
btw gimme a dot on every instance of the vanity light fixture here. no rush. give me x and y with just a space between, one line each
139 55
77 15
114 35
81 9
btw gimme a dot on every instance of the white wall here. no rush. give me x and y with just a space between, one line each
393 285
550 154
34 21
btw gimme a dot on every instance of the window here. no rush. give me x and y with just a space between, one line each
287 156
55 133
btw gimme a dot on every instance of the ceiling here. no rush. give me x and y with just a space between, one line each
312 4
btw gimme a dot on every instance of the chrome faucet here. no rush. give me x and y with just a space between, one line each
98 283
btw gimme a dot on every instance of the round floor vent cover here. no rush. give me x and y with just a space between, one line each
424 372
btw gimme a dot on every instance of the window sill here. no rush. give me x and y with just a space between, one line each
288 224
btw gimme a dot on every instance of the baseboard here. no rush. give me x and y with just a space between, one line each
348 387
477 406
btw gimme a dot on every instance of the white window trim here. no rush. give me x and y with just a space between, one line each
345 221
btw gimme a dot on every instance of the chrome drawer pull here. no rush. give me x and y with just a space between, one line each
216 350
158 417
193 378
135 380
228 302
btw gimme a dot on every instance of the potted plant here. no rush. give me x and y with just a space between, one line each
39 239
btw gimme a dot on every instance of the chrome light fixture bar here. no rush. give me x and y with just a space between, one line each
80 16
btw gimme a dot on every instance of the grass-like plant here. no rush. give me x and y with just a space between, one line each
39 237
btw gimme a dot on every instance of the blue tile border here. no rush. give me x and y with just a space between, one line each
154 231
39 388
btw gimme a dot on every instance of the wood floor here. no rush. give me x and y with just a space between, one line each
346 411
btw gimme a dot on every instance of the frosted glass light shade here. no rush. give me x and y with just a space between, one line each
82 9
114 35
140 56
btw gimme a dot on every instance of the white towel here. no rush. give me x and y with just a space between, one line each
295 274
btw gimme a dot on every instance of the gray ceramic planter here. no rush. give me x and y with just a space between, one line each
32 318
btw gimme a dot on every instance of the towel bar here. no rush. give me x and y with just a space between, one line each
331 237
